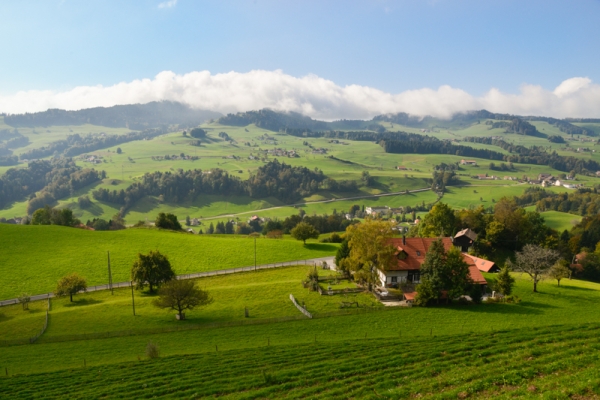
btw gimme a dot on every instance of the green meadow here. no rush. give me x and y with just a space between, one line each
35 257
266 294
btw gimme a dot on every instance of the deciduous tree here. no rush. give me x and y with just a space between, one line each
70 285
181 295
370 249
304 231
152 269
559 270
535 261
167 221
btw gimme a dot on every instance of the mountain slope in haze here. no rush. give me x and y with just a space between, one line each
131 116
281 121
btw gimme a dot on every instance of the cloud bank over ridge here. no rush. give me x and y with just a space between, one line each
313 96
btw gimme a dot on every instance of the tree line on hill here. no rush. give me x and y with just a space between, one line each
131 116
280 180
76 144
272 120
538 155
52 178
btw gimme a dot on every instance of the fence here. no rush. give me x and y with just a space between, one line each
33 339
313 261
299 307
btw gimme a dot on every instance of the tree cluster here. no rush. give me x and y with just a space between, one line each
285 182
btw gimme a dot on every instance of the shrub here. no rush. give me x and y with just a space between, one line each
152 350
276 234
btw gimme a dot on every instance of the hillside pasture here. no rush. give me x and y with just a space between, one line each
570 304
35 257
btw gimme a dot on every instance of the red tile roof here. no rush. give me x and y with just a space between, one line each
482 265
415 249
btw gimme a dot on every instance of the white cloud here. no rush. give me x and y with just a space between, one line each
311 95
167 4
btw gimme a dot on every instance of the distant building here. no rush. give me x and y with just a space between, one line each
468 162
376 210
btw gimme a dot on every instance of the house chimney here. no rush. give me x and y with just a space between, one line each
404 240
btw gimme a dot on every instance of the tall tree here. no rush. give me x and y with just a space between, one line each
439 222
152 269
181 295
535 261
304 231
431 274
370 250
70 285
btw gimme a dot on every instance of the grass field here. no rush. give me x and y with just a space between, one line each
265 293
35 257
558 220
136 159
557 362
574 302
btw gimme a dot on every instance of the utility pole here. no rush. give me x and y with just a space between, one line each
109 274
132 299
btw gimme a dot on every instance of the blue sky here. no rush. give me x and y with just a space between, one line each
390 46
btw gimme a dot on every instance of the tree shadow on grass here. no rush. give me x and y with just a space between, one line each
324 247
83 302
498 308
4 318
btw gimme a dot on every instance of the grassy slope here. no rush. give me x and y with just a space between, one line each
548 363
136 160
572 303
35 257
265 293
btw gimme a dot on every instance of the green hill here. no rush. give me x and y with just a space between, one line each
35 257
131 116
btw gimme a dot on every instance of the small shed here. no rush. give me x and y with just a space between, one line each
465 239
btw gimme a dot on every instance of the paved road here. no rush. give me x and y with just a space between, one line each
312 261
370 196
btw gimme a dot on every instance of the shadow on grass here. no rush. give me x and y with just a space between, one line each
94 209
83 302
4 318
497 308
325 247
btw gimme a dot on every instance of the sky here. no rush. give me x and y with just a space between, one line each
326 59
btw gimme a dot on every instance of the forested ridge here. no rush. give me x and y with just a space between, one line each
538 155
132 116
276 179
56 179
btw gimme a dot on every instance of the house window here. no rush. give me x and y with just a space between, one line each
394 279
418 253
414 276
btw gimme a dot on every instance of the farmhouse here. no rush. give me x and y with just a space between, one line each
468 162
376 210
411 254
